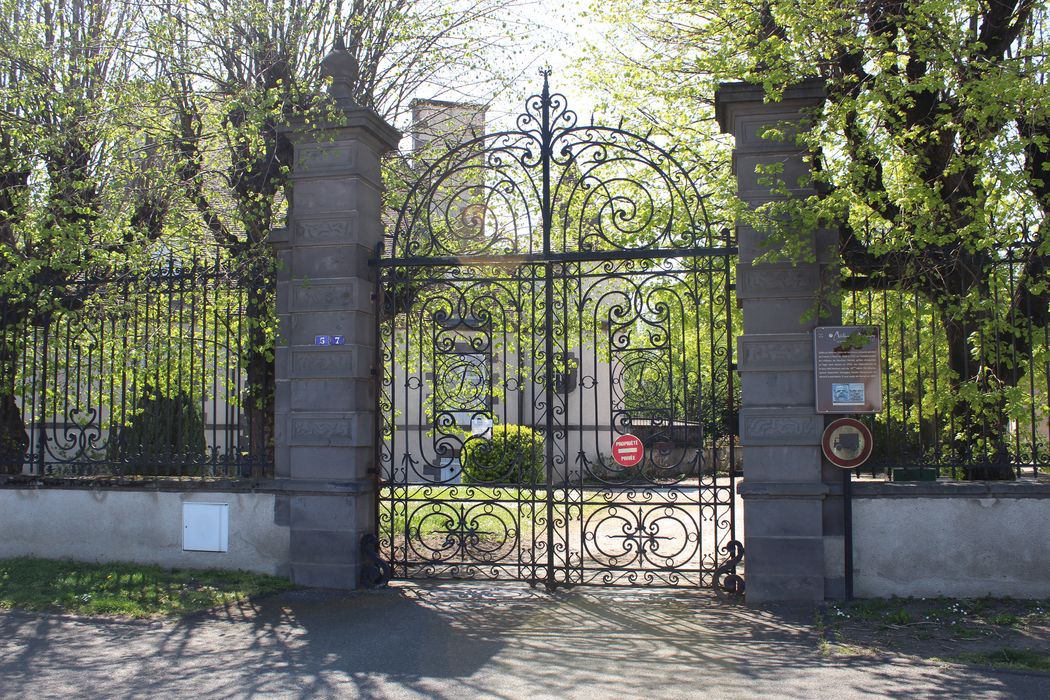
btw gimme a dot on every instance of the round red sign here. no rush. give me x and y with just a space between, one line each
627 450
846 443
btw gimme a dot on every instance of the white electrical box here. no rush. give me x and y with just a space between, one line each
206 527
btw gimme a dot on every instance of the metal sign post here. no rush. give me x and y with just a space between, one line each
848 377
847 443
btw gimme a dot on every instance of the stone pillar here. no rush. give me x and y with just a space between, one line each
793 530
325 391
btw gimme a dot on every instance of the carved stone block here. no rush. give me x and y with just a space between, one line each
756 173
325 362
780 388
777 281
775 352
771 132
780 426
315 158
341 229
330 429
779 315
320 262
353 295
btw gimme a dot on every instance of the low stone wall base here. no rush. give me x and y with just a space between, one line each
140 526
961 540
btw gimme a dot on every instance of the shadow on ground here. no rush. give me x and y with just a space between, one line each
468 640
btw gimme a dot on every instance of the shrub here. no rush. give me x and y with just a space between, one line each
514 454
14 440
164 437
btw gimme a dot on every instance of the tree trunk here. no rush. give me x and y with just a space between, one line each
988 424
259 368
14 440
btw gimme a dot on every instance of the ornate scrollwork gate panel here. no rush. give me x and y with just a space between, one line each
548 290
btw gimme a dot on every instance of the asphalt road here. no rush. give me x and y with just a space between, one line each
469 641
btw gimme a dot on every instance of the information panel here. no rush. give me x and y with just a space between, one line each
848 369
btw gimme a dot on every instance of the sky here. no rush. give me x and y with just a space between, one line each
566 35
559 42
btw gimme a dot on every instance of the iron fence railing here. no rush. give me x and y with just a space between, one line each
128 372
966 380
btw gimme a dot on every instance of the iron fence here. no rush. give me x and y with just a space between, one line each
966 380
130 372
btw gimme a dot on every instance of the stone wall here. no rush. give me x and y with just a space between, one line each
140 526
951 539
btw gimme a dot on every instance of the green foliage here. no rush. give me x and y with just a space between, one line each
926 141
930 414
900 616
930 161
122 589
513 454
129 130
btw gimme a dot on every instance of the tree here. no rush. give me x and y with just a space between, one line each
129 130
236 76
76 178
931 156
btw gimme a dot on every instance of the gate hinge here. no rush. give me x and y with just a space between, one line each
726 578
375 573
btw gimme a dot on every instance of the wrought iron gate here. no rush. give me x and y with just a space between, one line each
545 291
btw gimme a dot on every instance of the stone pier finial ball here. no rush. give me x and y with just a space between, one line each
341 66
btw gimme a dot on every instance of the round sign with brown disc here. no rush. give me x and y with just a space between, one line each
846 443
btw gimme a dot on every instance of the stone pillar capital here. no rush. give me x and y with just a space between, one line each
735 102
350 121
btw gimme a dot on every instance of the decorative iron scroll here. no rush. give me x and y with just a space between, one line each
135 372
546 290
552 186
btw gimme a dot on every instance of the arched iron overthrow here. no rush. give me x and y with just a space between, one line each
547 291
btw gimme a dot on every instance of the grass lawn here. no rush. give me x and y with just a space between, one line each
432 508
1017 659
122 589
998 632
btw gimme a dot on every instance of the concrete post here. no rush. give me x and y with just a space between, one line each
325 394
792 510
